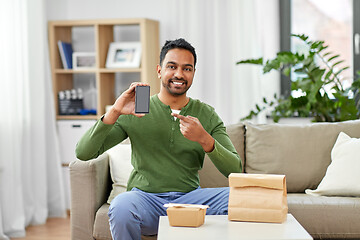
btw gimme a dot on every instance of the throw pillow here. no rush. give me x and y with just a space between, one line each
342 176
120 168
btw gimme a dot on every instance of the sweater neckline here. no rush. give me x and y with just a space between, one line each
157 99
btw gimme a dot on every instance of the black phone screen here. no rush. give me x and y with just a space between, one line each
142 99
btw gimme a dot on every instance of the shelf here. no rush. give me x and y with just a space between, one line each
72 71
77 117
114 70
95 70
125 21
98 36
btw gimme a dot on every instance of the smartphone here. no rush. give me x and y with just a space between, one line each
142 99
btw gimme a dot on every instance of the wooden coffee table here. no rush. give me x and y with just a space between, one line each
218 227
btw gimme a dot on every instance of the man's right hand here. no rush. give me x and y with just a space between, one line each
124 105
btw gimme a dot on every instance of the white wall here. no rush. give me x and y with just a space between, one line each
96 9
222 31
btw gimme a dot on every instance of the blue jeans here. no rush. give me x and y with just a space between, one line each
137 213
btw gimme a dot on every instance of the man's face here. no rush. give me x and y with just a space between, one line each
177 71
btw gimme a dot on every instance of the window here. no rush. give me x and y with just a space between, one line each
333 21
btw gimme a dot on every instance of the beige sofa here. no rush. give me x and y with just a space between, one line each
301 152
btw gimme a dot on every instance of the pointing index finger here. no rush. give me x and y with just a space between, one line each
181 117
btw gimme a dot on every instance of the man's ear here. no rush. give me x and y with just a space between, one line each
158 70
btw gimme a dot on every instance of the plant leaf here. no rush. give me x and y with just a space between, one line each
328 53
323 48
271 64
328 74
341 70
333 57
287 71
258 61
337 63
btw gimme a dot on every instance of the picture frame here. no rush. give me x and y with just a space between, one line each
83 60
123 55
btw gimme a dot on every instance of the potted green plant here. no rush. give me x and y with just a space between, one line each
312 78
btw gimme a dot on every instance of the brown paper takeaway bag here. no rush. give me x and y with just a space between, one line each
257 198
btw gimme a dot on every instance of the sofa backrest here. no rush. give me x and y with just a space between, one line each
209 175
301 152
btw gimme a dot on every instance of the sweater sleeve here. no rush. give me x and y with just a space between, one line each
224 155
98 139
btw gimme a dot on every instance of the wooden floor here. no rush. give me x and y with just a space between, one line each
54 229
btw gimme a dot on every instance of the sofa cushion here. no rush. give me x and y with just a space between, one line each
236 133
327 217
120 168
301 152
210 176
101 224
342 177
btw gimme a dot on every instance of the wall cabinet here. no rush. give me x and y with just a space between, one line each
70 132
95 36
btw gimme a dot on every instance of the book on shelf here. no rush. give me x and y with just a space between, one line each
66 52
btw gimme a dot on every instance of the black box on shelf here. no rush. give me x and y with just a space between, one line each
70 106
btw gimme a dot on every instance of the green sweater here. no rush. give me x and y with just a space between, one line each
163 159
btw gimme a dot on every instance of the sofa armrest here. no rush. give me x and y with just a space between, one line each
90 185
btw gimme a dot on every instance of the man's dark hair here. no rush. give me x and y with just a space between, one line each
178 43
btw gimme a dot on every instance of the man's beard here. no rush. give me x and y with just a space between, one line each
167 85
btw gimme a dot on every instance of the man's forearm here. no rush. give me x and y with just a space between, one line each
207 143
111 116
92 142
224 155
226 161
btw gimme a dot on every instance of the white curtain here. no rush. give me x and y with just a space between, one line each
224 32
31 188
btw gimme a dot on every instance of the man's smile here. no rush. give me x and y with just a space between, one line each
178 83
